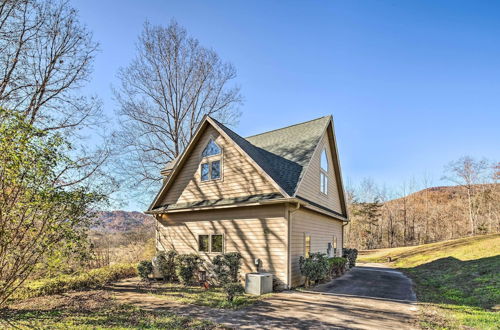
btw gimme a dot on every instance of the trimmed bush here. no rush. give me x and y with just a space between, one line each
145 268
92 279
185 267
226 267
232 290
337 266
166 264
351 255
314 268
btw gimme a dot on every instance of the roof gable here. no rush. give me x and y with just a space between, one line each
282 156
283 153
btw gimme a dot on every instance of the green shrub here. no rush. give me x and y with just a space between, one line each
92 279
226 267
337 266
314 268
166 264
351 255
145 268
232 290
185 267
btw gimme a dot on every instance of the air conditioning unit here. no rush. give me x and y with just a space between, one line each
258 283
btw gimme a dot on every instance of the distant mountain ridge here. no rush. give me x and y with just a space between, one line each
121 221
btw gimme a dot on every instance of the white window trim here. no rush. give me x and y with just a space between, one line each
209 160
325 173
210 243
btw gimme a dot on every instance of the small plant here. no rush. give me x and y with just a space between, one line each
350 255
186 266
226 267
166 264
145 268
314 268
337 266
232 290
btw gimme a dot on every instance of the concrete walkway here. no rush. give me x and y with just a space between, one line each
323 309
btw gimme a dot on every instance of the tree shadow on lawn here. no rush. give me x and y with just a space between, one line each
474 283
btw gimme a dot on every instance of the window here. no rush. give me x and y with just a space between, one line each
323 183
323 175
307 245
210 171
211 167
334 245
203 243
217 243
211 149
205 172
211 243
324 161
215 170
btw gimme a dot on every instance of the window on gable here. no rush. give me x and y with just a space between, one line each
205 172
323 175
211 149
211 167
324 161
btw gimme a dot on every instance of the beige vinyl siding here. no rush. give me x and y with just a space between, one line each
310 186
239 176
255 232
321 228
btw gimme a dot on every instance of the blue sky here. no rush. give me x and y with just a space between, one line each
412 85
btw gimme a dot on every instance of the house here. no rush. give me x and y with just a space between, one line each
273 197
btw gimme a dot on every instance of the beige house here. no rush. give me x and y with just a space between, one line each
274 197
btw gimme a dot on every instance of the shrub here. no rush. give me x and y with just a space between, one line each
185 267
166 264
314 268
92 279
145 268
337 266
350 255
232 290
226 267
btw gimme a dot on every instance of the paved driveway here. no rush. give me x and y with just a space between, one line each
350 302
372 280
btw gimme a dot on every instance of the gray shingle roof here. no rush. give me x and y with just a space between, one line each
283 153
217 202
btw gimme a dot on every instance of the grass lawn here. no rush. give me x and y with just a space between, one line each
90 310
196 295
458 280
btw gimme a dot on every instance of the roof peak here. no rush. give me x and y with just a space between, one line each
277 129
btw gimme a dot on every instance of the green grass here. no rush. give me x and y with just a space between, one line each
213 297
113 317
458 280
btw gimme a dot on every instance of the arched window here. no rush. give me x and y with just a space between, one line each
323 175
211 149
324 161
210 169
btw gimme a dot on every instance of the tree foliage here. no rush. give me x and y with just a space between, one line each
38 215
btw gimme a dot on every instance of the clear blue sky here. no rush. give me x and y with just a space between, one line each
412 85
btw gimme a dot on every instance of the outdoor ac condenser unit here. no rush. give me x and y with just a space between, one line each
258 283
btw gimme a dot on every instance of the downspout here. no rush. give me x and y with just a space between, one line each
289 254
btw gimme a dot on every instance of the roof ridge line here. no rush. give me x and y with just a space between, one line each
277 129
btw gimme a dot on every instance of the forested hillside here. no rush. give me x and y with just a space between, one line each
430 215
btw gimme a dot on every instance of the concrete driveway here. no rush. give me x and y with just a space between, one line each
349 302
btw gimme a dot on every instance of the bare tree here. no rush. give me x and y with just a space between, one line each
468 173
46 57
164 94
